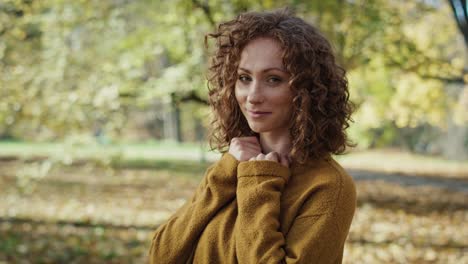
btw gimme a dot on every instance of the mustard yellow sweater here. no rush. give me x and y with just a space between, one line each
261 212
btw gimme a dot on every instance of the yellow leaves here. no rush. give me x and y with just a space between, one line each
85 213
404 98
417 101
18 33
457 62
370 88
368 115
416 218
268 4
107 95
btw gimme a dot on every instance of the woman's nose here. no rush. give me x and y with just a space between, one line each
255 94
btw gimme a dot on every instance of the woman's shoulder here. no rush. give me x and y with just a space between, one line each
325 170
326 184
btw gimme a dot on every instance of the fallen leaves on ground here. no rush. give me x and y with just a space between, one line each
96 215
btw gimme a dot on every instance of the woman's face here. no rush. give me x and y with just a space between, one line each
262 88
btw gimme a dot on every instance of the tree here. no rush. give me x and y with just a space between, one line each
79 66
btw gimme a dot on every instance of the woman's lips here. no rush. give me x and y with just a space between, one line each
257 114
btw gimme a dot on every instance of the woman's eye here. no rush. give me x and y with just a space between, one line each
274 80
244 78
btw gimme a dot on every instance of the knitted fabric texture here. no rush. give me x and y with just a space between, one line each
261 212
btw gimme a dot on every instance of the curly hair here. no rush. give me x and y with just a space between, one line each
322 110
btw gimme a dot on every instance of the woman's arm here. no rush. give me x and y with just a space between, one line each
315 237
174 241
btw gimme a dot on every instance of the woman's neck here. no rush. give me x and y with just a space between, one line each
280 143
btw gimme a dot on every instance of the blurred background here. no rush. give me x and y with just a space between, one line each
104 119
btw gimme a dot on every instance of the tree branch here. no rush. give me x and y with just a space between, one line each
190 97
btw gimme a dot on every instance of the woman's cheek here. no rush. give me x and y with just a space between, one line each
240 95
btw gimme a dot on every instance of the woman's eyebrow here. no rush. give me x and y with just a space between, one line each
264 70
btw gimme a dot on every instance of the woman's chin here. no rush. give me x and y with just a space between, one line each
258 129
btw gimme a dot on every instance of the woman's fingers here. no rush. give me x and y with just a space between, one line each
273 156
260 156
248 148
244 148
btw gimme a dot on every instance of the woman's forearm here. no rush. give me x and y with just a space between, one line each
314 237
174 241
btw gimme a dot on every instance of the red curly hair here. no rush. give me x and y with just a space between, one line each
322 110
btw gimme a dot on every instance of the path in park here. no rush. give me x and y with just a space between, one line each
408 180
450 183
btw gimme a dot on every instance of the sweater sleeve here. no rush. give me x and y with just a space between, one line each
174 241
312 238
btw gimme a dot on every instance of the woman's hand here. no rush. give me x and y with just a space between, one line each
273 156
244 148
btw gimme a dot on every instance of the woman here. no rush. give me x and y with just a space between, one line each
276 195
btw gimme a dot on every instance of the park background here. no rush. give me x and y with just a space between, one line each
104 121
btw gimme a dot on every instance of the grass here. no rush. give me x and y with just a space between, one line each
401 162
146 149
177 166
144 155
178 156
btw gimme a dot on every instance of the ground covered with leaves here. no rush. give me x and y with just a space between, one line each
92 214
